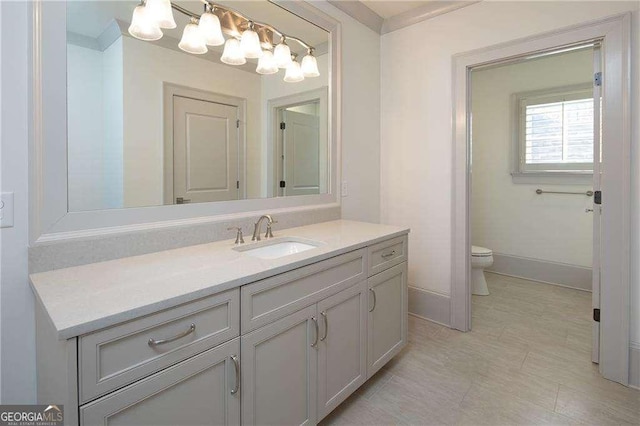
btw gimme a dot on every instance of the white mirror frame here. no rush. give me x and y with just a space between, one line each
50 219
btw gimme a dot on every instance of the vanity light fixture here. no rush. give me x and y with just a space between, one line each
294 71
247 38
267 63
142 26
160 11
210 27
232 54
193 40
310 65
282 54
250 43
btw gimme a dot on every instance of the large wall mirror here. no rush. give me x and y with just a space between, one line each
175 110
223 101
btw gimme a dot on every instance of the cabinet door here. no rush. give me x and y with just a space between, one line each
387 320
279 367
197 391
342 346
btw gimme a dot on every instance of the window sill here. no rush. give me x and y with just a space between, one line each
563 178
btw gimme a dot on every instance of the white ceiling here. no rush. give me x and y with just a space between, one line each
388 8
91 18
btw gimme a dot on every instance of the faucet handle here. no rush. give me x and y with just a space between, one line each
269 233
239 238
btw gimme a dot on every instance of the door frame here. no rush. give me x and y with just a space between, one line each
615 34
273 105
169 90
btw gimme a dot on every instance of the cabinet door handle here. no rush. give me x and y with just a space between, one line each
326 325
374 300
154 342
315 323
391 253
236 366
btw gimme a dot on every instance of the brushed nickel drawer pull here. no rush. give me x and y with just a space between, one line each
154 342
326 325
315 323
236 366
389 254
374 300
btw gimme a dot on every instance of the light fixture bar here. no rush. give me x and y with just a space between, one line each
221 11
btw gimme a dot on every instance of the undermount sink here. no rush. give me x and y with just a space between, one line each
278 247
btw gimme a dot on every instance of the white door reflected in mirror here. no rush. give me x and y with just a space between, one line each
300 140
205 151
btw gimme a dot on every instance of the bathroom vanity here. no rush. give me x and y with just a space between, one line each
222 333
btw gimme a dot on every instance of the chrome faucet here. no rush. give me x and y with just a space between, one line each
256 227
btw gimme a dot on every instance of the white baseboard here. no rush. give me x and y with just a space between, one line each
561 274
634 365
431 306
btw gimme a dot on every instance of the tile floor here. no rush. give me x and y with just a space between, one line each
526 362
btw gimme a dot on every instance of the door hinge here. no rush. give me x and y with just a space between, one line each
237 124
596 314
597 197
283 184
597 79
282 126
237 184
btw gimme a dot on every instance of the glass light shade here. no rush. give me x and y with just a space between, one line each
267 64
192 40
282 55
210 28
142 26
310 66
294 73
250 44
160 11
232 54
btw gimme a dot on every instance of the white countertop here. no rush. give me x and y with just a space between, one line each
86 298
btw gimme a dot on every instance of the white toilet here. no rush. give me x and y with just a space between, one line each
480 258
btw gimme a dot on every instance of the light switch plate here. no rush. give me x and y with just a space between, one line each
6 210
344 191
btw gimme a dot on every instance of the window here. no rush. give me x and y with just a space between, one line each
555 131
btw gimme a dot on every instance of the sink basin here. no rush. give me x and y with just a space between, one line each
278 247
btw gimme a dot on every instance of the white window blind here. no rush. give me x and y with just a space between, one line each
553 132
559 132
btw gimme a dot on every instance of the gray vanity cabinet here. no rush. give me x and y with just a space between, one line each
298 369
279 371
286 349
202 390
387 320
342 356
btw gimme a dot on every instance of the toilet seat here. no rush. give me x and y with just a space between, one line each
481 258
477 251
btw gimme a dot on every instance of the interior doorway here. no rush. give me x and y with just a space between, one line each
297 146
298 149
534 149
613 35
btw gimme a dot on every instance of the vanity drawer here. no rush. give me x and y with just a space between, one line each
117 356
386 254
273 298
